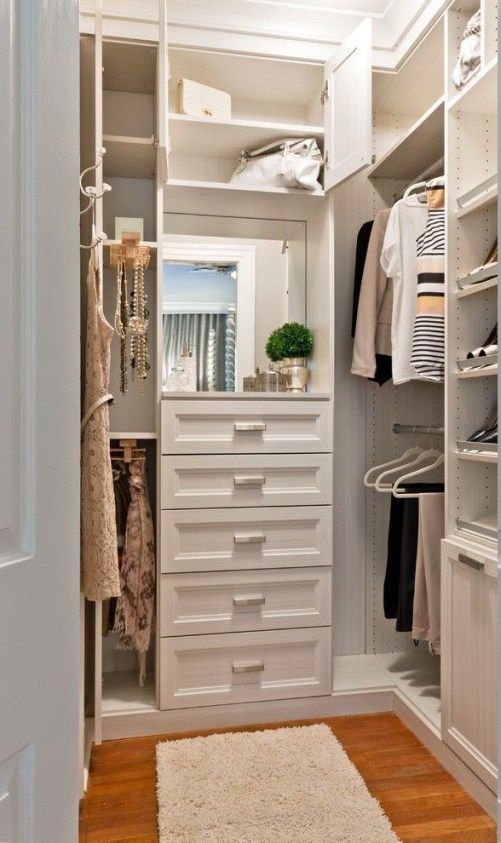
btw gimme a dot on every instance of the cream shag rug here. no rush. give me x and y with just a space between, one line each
292 785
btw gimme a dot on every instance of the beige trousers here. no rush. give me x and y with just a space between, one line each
426 609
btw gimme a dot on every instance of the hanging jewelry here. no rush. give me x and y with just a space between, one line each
138 324
122 321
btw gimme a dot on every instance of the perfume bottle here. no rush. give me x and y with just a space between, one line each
189 364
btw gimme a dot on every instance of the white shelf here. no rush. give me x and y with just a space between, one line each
486 372
480 94
475 288
477 456
122 694
184 196
420 147
128 157
134 434
416 674
484 200
227 138
245 396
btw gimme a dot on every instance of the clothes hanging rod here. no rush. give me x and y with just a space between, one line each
435 169
418 428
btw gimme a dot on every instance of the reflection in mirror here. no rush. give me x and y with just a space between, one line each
199 313
228 282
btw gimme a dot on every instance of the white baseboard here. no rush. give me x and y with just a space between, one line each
155 722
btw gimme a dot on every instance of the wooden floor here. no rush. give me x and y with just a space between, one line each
423 802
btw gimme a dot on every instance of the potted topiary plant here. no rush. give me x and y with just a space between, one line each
292 344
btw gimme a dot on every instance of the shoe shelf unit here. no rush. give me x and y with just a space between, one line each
471 384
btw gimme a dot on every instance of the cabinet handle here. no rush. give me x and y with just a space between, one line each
247 667
249 538
471 563
249 479
248 427
257 600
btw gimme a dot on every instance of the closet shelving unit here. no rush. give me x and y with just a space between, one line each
417 119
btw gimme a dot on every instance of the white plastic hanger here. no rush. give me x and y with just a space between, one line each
411 452
388 487
420 196
412 474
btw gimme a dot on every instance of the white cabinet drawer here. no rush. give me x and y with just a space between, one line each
246 480
240 601
245 539
244 667
246 426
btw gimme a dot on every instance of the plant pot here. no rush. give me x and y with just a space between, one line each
297 375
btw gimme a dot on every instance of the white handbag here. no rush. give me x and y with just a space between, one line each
201 101
290 162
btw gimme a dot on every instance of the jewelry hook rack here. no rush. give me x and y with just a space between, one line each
90 193
129 250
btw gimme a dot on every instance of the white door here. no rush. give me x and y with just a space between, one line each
347 99
39 421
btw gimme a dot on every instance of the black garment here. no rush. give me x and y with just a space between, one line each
398 590
383 369
383 362
360 255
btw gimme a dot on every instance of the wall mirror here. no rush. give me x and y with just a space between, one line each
228 282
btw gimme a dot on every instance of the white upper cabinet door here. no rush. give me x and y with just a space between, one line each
348 107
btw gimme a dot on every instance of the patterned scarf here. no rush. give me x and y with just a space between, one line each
136 606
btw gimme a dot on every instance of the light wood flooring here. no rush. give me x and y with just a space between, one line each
422 801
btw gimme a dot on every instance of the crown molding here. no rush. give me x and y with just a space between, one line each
305 30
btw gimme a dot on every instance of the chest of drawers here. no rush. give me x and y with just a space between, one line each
246 550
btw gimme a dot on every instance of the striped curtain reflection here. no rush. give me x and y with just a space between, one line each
193 329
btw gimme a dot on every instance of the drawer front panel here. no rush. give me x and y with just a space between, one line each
241 601
246 427
244 667
245 539
246 480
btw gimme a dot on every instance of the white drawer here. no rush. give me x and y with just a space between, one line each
246 426
240 601
244 667
245 539
246 480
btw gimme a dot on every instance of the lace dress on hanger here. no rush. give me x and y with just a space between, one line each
99 555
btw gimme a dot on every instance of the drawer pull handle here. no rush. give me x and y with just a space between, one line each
247 667
249 538
471 563
249 427
249 479
257 600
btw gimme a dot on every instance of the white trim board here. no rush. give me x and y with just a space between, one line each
289 30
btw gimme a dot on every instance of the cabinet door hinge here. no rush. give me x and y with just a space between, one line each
324 95
326 159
